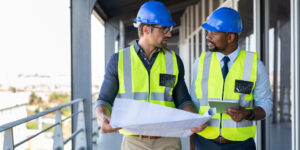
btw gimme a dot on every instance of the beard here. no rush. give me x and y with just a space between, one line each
163 44
215 48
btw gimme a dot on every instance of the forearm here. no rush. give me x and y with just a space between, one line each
245 114
259 113
101 112
103 115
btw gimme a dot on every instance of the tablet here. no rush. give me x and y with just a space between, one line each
221 106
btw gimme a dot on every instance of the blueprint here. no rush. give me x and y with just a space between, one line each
144 118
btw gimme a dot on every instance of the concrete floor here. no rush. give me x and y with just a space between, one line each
281 136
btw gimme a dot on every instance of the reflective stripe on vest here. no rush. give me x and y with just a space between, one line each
209 86
135 82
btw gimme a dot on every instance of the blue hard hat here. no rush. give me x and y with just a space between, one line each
224 19
154 12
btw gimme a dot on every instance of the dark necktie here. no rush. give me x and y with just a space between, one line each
225 67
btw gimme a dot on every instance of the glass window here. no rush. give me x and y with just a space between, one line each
246 39
194 48
206 9
190 20
190 58
200 12
216 4
185 25
194 17
200 42
98 54
280 73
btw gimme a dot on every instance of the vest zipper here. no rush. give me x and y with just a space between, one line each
222 113
149 95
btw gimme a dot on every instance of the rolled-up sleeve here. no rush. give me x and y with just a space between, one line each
110 85
181 95
262 93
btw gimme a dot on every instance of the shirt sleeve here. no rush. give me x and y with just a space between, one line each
110 85
181 95
262 93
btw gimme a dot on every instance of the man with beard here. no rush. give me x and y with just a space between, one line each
226 73
146 71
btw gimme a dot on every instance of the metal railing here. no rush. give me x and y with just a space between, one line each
79 135
96 127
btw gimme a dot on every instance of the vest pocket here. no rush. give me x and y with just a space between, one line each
242 86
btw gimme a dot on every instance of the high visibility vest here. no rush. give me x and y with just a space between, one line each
136 83
210 85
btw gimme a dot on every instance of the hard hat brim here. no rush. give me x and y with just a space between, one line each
166 24
208 27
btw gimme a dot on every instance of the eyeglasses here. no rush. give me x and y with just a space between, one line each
164 30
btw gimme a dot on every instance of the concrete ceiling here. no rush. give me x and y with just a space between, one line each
126 10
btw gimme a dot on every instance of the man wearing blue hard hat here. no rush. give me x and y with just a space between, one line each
146 71
226 74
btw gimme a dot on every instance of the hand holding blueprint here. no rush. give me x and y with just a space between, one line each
155 120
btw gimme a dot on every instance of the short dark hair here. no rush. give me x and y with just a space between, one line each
140 29
236 37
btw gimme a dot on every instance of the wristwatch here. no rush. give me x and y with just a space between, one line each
251 116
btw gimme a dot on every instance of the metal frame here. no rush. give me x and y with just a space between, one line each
81 63
202 30
257 36
267 59
191 13
257 22
295 73
210 5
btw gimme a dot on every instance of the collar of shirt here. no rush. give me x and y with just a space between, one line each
232 56
147 63
138 48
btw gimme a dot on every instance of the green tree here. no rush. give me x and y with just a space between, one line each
61 98
13 89
34 99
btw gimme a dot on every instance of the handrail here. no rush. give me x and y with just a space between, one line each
72 136
29 118
74 114
58 141
31 137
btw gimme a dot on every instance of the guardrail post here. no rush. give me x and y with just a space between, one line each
80 139
95 131
8 140
58 143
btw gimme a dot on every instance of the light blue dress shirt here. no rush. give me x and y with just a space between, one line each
261 93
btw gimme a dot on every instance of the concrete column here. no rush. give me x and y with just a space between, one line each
122 35
295 28
81 62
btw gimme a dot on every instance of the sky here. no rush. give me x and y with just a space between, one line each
35 38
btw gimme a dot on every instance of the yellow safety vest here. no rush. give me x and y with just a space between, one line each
135 82
210 85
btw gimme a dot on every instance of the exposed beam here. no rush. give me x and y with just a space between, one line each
100 11
130 10
182 5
